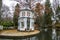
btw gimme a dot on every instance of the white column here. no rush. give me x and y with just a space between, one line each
19 24
31 24
30 19
25 23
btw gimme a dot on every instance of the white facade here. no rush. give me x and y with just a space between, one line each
26 20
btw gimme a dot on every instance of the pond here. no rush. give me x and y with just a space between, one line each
29 38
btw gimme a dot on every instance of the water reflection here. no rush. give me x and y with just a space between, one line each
31 38
45 35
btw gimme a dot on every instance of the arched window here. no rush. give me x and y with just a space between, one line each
28 14
23 13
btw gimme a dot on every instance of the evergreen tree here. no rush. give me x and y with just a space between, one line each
16 14
48 13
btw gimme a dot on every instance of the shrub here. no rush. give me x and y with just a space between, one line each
7 23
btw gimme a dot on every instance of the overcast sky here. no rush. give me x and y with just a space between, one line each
8 2
11 3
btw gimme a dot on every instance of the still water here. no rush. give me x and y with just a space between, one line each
31 38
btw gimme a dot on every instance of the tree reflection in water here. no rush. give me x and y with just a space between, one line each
45 34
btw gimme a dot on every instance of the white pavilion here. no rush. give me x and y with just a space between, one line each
26 18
